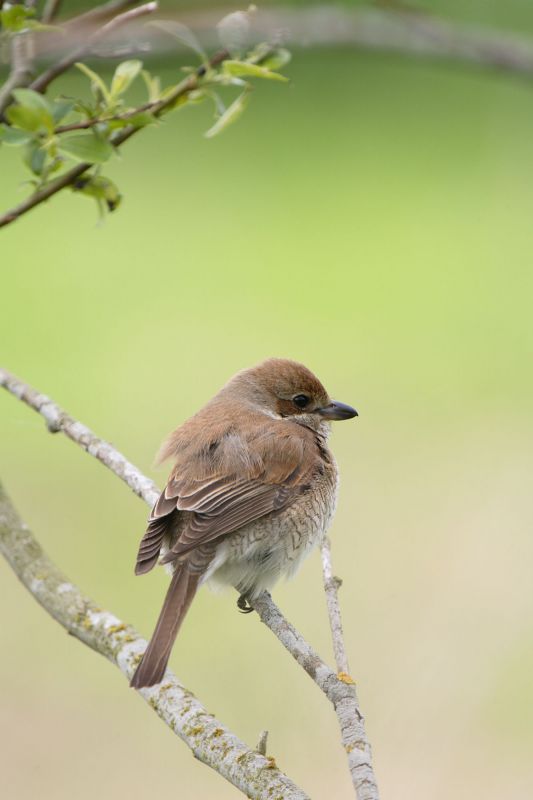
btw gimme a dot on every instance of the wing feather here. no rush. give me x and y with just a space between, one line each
223 495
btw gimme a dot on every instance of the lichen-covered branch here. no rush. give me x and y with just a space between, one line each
58 420
209 739
356 728
339 689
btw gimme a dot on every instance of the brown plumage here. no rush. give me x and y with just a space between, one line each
252 489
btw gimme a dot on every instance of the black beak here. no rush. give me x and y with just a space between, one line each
337 410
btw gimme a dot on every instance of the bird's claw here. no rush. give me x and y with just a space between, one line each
243 605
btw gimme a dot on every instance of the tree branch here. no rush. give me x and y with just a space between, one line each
208 738
51 10
42 82
58 420
20 74
339 690
97 14
405 32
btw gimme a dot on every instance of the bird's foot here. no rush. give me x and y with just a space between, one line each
243 605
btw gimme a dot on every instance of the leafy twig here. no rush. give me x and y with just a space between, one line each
71 176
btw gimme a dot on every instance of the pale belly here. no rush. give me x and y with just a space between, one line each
253 558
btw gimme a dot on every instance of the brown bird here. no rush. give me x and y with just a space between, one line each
253 489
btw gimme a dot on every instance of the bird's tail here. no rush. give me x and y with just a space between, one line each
180 593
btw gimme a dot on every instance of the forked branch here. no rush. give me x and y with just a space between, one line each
339 689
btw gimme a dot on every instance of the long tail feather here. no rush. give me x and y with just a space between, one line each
180 593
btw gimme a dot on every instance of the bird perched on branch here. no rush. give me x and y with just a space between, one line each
252 491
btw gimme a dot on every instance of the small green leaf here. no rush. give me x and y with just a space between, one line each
96 81
13 136
29 119
32 112
230 115
85 147
60 109
182 33
124 76
15 19
153 84
277 59
238 68
31 99
35 159
100 188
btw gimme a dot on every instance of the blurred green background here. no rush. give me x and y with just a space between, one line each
373 219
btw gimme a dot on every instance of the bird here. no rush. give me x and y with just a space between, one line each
253 489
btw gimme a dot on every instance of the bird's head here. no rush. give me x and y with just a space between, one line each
286 389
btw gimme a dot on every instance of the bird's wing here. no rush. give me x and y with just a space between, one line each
247 476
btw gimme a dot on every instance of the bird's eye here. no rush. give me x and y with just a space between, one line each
300 400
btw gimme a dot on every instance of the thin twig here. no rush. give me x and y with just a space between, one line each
331 588
69 178
208 738
339 690
20 73
57 69
51 10
97 14
90 123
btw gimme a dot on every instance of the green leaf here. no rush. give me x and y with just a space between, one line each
124 76
85 147
153 84
238 68
35 159
29 119
13 136
60 109
230 115
96 82
31 99
32 112
15 19
276 59
182 33
100 188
